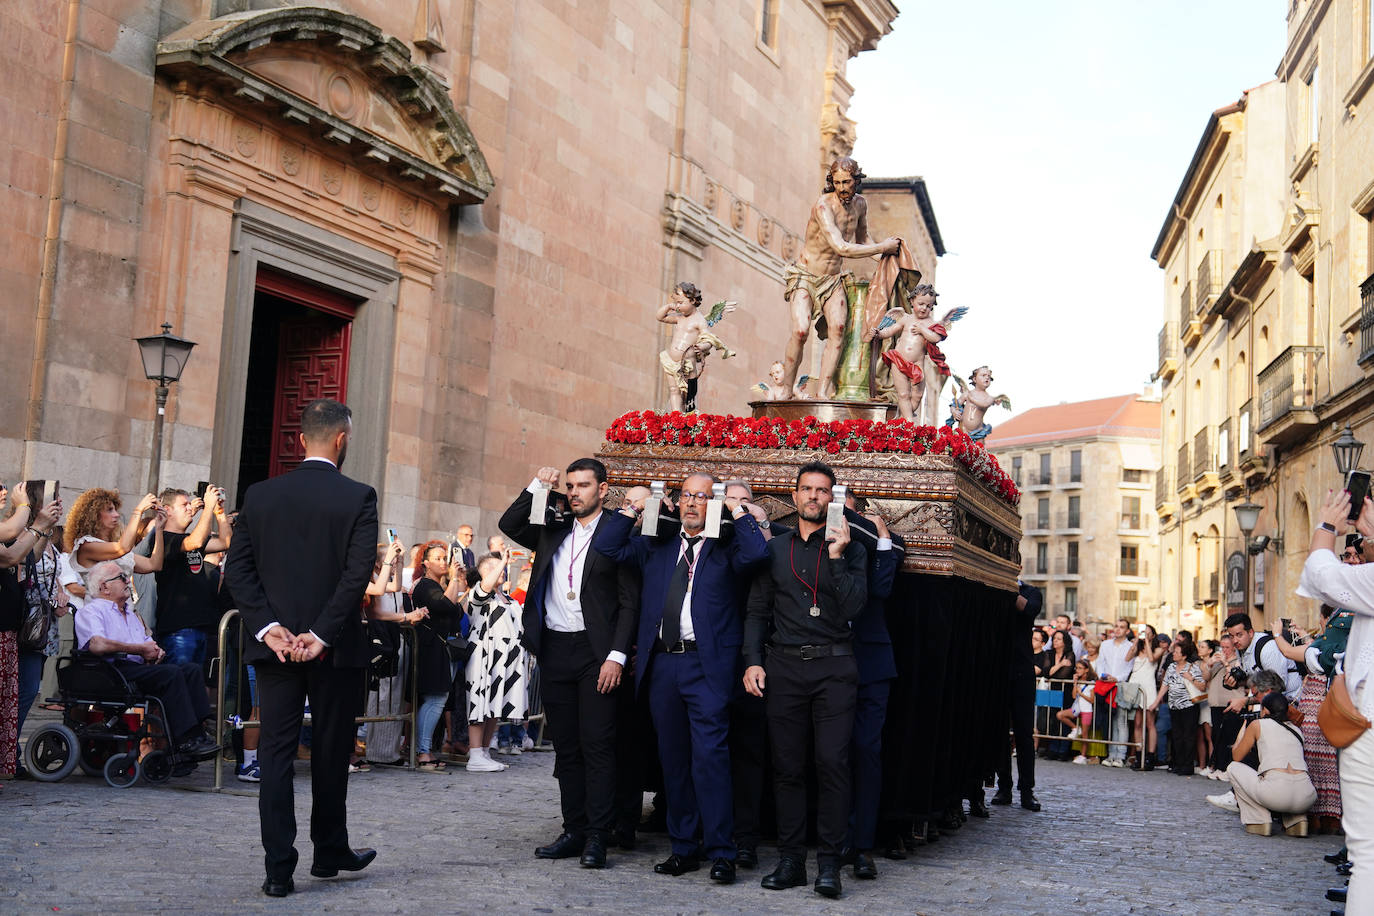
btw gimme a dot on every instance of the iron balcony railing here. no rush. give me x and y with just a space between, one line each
1185 470
1164 486
1168 342
1288 384
1133 567
1066 566
1185 309
1367 319
1067 519
1210 281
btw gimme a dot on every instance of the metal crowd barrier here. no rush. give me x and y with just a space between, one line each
1050 695
222 662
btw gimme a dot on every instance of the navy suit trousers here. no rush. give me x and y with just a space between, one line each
866 762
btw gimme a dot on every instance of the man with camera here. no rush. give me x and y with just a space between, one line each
1256 654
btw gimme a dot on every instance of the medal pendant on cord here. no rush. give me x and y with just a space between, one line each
572 595
815 611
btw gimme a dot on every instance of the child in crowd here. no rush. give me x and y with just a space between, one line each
1080 713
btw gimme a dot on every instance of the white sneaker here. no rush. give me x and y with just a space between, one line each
1225 802
480 762
527 744
1077 732
1205 771
514 749
1223 775
1081 760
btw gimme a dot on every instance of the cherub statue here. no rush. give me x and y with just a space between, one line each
692 342
774 390
917 336
970 404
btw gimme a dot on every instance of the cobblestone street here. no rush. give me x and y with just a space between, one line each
1108 841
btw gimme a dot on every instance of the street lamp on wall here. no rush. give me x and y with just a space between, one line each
1347 450
1247 517
164 359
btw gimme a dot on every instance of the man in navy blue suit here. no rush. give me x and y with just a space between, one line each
690 631
877 668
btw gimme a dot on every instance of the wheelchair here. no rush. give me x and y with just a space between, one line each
107 728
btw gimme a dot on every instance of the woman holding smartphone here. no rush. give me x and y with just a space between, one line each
1147 656
440 585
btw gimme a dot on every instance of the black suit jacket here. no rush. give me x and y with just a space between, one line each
609 590
303 550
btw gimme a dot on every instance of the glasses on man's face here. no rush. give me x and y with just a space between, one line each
695 497
119 578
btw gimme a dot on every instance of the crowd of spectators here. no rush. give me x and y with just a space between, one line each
148 596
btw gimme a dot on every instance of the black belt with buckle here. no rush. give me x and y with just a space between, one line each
810 652
677 648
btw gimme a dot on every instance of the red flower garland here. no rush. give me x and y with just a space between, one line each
836 436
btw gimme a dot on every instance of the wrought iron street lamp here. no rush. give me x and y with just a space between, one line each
164 359
1347 450
1247 517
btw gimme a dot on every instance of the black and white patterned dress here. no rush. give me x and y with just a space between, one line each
497 671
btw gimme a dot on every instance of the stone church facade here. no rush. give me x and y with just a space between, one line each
457 215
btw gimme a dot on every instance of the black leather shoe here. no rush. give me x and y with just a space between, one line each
791 872
677 865
1336 858
723 871
747 857
565 847
1029 801
828 880
202 748
273 888
624 838
1336 895
594 853
864 866
949 823
356 860
1002 797
1345 868
976 808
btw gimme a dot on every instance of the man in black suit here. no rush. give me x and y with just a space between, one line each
302 554
579 621
1021 703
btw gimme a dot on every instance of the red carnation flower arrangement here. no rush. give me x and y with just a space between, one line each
833 437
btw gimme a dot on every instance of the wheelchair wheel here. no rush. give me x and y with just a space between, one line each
52 752
157 767
94 753
121 770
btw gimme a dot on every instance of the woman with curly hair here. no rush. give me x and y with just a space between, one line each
95 533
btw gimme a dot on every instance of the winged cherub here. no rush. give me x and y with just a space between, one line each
970 404
691 344
918 336
773 389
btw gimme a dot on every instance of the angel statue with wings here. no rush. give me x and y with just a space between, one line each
691 344
970 404
918 336
774 390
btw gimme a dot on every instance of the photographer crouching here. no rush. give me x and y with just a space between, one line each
1278 786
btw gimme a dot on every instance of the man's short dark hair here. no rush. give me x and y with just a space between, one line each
324 418
589 464
815 467
170 493
1238 617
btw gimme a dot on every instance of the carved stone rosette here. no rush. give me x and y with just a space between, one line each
953 524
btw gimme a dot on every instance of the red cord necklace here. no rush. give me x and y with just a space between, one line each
815 609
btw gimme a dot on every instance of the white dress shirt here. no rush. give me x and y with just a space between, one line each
1327 579
1112 661
561 613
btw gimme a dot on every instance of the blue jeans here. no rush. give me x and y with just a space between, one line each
30 679
184 646
431 708
510 733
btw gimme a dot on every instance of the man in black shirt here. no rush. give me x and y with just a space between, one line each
810 590
187 588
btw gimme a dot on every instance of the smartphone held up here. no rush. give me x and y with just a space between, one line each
1357 484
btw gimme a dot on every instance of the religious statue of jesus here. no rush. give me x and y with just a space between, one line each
837 229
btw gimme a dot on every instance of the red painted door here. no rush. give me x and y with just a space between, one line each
312 363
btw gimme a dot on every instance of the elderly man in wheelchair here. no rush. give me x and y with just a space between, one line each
108 626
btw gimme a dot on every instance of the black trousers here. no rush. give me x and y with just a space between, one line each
1225 728
181 688
1183 739
635 754
820 693
866 759
336 699
581 723
1021 703
748 766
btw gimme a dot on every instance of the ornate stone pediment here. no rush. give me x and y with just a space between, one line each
343 79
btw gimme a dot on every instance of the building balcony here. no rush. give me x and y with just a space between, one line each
1039 480
1066 522
1138 571
1168 351
1068 477
1189 324
1251 461
1066 569
1210 282
1205 589
1287 396
1367 321
1034 524
1133 524
1205 460
1164 487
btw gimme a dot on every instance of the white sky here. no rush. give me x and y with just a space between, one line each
1052 138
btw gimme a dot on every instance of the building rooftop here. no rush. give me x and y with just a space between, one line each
1126 415
917 186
